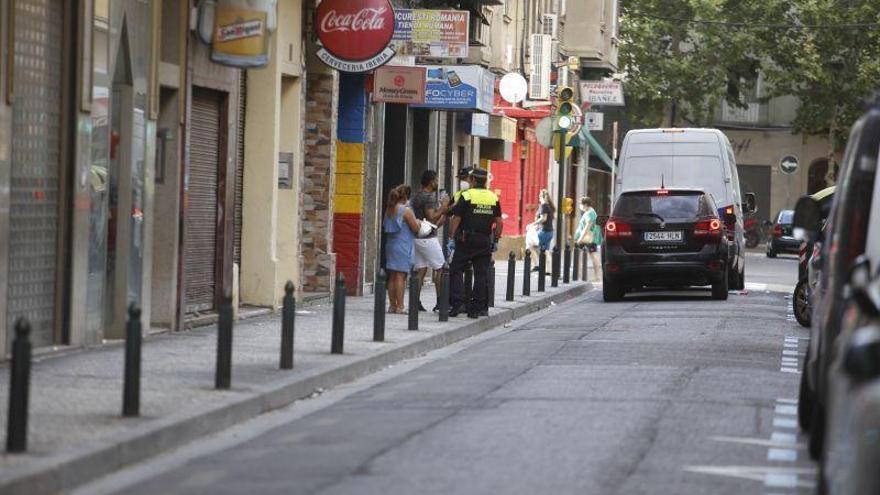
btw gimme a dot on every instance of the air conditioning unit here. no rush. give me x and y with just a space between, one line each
550 25
541 64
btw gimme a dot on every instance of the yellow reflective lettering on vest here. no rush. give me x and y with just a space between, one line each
483 197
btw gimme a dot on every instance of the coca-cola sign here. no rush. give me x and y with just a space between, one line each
355 34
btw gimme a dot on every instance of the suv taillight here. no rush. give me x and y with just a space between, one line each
615 229
777 230
708 229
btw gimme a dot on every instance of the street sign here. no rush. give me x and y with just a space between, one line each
788 164
595 121
602 93
544 132
513 88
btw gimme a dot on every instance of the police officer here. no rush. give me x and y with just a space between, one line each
476 228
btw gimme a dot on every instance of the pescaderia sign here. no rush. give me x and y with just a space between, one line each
355 34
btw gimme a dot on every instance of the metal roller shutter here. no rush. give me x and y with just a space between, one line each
36 144
202 200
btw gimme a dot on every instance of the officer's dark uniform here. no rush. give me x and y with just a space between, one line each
478 208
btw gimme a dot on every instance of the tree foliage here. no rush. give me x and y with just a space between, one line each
824 52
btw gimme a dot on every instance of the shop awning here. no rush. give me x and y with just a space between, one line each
587 140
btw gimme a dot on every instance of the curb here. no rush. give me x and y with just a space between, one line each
63 473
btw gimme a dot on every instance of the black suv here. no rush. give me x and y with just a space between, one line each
782 239
664 238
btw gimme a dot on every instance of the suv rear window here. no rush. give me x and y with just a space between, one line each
678 205
786 217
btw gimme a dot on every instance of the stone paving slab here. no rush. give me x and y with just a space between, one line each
76 432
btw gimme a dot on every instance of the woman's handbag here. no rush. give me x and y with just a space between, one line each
586 237
426 229
532 240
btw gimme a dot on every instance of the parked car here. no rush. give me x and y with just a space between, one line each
664 238
696 159
782 238
810 263
846 234
852 439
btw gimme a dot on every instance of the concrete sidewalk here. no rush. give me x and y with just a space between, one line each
76 432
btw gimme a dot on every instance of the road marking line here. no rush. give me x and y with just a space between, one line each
789 352
761 442
783 455
782 437
792 339
790 345
787 401
789 359
785 410
784 423
760 473
777 480
789 370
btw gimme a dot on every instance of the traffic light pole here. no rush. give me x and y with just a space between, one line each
560 191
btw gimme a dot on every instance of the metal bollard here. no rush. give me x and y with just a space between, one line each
490 287
542 271
338 335
223 373
566 265
468 283
131 389
379 307
288 320
444 294
585 272
511 276
413 322
575 270
19 389
527 274
555 266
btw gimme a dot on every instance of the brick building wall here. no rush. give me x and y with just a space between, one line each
318 185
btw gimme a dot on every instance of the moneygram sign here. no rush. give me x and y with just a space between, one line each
355 34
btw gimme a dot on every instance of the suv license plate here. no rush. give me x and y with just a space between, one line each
673 236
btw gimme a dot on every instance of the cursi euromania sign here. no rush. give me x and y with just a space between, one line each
355 34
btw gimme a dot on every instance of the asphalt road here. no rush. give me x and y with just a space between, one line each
664 393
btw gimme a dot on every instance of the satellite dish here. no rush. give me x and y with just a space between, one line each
513 88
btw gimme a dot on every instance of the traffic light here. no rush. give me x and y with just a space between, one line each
564 108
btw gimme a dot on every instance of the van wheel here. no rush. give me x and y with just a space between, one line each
612 291
719 289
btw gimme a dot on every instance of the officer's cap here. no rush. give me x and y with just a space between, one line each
480 173
464 172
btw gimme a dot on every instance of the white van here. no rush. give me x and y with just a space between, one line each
689 158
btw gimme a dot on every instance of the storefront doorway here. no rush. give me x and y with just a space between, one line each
125 227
